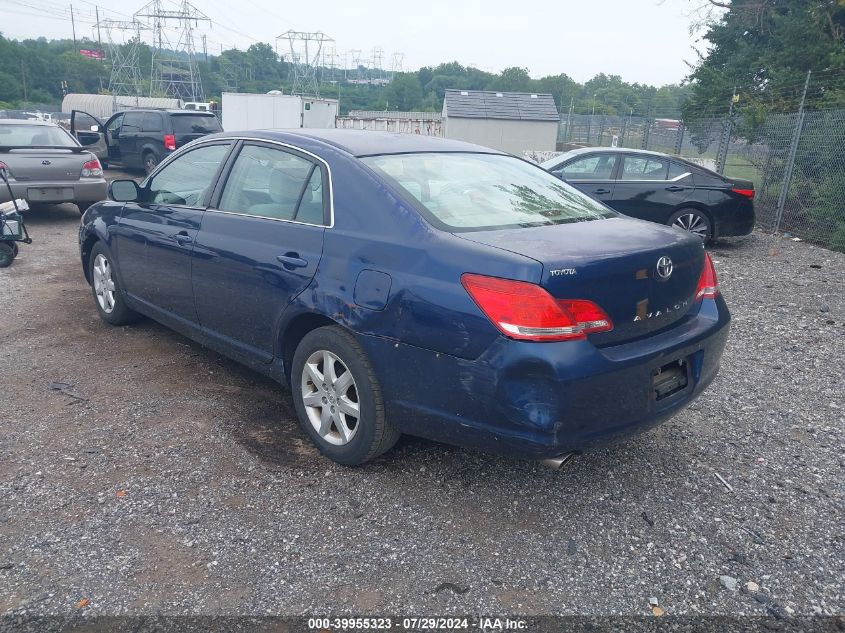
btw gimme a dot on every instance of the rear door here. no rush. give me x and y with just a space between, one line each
591 173
650 187
259 245
155 236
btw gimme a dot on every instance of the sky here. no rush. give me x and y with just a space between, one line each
646 41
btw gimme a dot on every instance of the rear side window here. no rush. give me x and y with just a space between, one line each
272 183
195 124
642 168
464 192
151 122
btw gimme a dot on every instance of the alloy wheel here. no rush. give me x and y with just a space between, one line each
330 397
692 223
104 284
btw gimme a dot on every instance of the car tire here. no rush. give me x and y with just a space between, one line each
7 254
694 222
324 399
150 161
105 287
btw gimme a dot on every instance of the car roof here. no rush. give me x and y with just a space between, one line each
166 111
613 150
27 122
366 142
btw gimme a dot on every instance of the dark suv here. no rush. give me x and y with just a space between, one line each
140 138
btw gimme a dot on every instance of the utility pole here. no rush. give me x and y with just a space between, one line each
99 39
73 26
722 155
569 119
793 149
23 81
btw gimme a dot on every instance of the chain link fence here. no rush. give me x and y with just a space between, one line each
796 160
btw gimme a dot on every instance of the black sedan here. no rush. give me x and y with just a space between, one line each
660 188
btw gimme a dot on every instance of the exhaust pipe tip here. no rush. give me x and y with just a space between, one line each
556 463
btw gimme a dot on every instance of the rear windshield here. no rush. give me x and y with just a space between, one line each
26 135
464 192
195 124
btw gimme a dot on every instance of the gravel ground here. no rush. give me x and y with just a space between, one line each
141 474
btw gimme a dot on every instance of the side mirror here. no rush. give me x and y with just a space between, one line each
95 128
124 190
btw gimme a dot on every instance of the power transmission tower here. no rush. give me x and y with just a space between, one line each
125 78
396 63
377 63
174 66
355 55
305 48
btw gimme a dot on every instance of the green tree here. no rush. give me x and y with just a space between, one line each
404 92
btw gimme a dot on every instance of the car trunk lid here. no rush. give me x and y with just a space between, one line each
51 165
618 264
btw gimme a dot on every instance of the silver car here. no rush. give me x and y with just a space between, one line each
46 165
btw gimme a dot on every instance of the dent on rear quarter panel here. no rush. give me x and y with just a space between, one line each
426 306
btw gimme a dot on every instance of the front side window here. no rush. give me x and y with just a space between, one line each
642 168
132 121
185 180
594 167
463 192
272 183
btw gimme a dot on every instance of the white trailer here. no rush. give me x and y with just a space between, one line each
103 106
247 111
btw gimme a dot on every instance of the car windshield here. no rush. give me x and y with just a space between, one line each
463 191
195 124
22 135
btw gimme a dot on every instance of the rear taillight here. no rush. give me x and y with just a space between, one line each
708 285
525 311
92 169
169 142
746 193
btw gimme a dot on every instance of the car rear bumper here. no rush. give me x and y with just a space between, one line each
539 400
738 222
88 190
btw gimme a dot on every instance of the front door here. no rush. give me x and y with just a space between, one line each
592 173
90 133
155 236
259 245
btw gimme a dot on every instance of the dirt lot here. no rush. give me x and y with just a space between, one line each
144 474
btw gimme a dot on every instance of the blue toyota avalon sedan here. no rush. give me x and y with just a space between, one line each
407 284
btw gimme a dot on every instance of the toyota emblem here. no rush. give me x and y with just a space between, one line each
46 162
664 267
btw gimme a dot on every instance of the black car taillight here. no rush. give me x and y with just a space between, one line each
169 142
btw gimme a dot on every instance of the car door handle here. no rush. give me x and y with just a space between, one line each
601 190
291 261
183 238
675 188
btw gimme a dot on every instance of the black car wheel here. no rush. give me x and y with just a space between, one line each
107 295
150 162
7 254
692 221
338 398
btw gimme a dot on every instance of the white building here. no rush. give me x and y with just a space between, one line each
513 122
